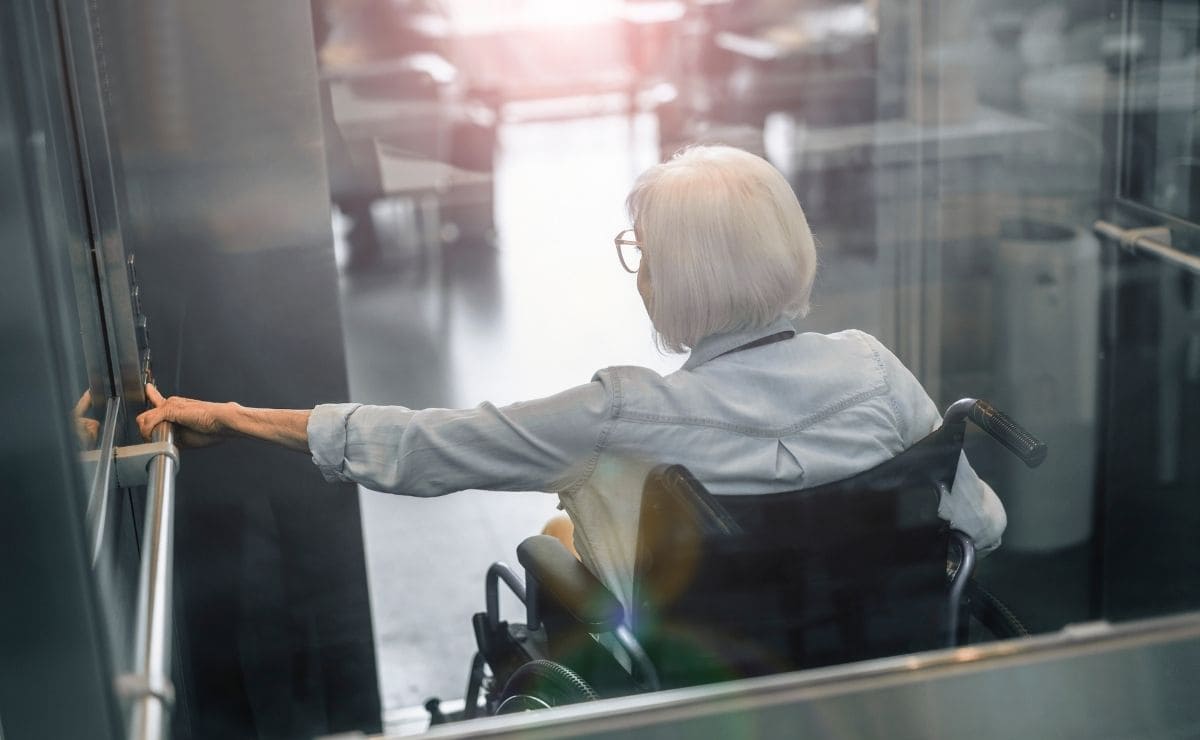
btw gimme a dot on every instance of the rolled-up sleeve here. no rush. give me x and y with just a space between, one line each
541 445
974 508
971 506
327 438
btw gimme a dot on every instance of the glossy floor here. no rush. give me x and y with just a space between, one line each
537 314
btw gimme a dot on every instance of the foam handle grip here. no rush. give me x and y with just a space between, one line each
1009 433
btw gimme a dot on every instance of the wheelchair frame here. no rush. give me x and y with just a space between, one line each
519 649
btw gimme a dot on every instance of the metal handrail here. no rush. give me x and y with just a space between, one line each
1147 240
150 686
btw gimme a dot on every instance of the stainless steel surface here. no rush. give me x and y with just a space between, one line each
1092 680
228 198
152 692
213 120
64 219
55 154
127 466
1152 240
99 498
133 461
90 79
56 679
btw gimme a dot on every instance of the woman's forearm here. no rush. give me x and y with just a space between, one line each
287 427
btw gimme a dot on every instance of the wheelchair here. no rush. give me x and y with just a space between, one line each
730 587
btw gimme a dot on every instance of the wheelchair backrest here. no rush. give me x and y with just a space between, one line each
734 586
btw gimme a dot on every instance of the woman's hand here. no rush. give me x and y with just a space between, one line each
198 422
202 423
88 430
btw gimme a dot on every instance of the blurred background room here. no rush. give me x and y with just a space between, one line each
413 202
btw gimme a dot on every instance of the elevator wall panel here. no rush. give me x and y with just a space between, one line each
57 674
214 112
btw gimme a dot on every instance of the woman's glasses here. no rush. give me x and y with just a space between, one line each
629 250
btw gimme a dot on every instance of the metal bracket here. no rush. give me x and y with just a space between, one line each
1128 238
132 461
135 686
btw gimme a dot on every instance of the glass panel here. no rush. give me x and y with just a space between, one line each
57 189
951 159
1161 156
60 201
1152 327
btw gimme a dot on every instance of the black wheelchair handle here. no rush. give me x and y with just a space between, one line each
1009 433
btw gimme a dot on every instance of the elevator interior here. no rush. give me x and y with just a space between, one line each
166 200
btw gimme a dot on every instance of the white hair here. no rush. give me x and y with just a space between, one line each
726 243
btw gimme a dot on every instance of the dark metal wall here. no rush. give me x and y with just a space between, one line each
187 135
213 109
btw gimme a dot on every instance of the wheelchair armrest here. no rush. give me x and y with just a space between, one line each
569 583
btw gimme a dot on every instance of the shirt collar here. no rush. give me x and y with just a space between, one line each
715 345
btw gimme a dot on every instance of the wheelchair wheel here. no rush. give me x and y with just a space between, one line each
541 684
993 614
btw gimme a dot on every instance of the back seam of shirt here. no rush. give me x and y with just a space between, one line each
805 423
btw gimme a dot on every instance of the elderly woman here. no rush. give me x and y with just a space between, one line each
725 262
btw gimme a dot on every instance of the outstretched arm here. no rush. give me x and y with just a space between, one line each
541 445
203 423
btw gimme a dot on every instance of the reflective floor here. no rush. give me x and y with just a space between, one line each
454 327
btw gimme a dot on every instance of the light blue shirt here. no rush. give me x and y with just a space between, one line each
791 414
